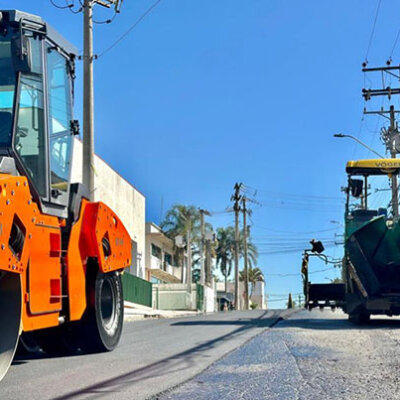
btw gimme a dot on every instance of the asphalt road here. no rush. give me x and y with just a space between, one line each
153 356
318 355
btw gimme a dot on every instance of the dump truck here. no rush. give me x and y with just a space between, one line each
61 255
371 263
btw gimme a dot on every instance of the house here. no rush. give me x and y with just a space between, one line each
161 266
257 296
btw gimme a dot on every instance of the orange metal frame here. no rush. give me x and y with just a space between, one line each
44 266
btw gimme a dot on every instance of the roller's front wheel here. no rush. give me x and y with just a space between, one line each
10 318
104 317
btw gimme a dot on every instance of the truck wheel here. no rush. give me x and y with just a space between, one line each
104 317
10 318
27 344
360 318
58 341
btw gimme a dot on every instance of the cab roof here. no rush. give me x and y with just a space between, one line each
379 166
31 21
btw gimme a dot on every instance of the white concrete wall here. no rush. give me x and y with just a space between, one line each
258 295
124 199
209 299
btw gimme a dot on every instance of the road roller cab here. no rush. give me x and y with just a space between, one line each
61 255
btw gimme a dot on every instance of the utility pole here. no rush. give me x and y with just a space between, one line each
202 245
393 132
88 95
246 261
390 136
88 106
202 239
236 207
189 253
208 263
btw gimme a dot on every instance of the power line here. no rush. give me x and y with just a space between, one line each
394 44
373 30
61 7
299 273
290 250
126 33
106 21
298 232
299 197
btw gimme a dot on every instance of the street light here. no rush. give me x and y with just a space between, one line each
341 135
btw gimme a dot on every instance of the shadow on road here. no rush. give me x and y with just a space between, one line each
339 324
244 322
175 363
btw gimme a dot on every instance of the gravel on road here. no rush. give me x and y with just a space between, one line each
310 356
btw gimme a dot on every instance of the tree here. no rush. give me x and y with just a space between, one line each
176 222
252 252
290 301
255 275
224 251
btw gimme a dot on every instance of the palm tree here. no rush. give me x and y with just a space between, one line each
252 252
255 275
178 220
224 251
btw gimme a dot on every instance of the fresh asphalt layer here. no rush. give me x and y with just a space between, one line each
153 356
317 355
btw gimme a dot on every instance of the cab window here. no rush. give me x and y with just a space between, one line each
30 135
60 114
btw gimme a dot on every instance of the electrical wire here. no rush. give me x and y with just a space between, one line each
61 7
289 250
299 273
298 232
394 44
373 30
295 195
106 21
136 23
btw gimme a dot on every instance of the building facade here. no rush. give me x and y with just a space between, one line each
161 266
123 198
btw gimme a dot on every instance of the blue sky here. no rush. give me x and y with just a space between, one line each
203 94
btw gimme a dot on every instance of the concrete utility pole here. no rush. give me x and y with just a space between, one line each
88 107
390 136
208 263
88 95
393 131
236 207
202 245
189 252
246 261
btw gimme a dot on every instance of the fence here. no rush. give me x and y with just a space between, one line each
137 290
175 296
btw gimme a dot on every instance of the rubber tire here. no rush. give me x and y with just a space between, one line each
27 344
360 318
58 341
99 331
10 318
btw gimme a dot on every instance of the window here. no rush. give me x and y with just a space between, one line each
7 90
60 115
155 251
168 258
30 139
